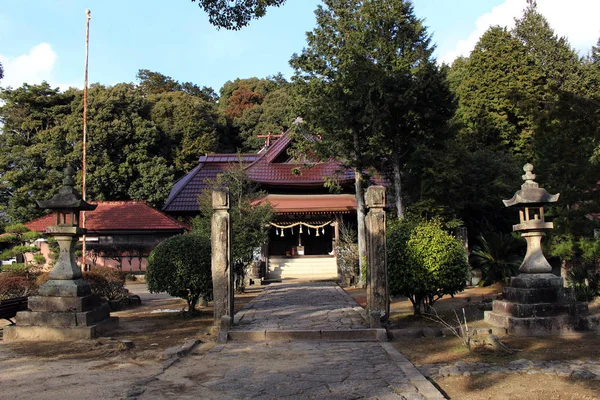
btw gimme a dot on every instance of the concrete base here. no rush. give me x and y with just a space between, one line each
58 333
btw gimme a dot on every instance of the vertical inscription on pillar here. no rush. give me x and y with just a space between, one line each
221 255
378 304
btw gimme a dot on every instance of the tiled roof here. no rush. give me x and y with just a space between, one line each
265 171
294 203
119 216
184 195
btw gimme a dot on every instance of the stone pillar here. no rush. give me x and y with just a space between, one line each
378 302
222 274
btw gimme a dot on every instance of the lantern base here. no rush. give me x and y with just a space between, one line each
537 305
61 318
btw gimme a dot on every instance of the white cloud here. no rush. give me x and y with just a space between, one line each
575 19
34 67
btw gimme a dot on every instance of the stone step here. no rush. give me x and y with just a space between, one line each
349 335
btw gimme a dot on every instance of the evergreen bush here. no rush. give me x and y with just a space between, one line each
181 266
425 262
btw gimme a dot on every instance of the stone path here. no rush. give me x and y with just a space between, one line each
574 368
306 306
295 369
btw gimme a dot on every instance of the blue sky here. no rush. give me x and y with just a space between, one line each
44 39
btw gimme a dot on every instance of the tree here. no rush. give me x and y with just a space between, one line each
1 71
255 107
20 238
180 266
30 121
425 262
235 14
364 82
249 218
155 83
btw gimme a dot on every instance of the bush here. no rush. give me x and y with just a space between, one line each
106 282
424 262
499 257
585 285
14 286
181 266
347 253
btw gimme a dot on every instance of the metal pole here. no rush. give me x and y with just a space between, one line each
88 14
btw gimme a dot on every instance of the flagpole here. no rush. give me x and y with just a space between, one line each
88 14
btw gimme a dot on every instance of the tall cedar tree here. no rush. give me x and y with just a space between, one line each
367 82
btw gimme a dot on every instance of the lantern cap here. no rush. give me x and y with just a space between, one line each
67 197
531 194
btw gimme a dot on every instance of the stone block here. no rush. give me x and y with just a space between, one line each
539 326
293 335
50 319
88 318
520 310
406 333
65 288
58 334
536 281
530 296
246 335
77 304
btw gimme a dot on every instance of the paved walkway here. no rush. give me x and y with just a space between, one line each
306 306
295 369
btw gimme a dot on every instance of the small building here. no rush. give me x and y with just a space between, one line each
120 234
303 236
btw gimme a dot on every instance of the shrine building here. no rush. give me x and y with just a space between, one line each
305 230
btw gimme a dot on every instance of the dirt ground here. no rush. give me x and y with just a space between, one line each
492 386
92 367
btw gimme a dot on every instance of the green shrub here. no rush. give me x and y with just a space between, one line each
14 286
106 282
499 257
425 262
585 285
181 266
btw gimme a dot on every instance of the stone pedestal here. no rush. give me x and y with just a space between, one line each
537 305
64 309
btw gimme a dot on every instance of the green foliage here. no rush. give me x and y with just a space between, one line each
20 239
499 256
140 139
368 85
249 217
181 266
256 107
106 282
586 285
424 262
236 14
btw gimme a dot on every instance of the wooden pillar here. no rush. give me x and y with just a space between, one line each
222 271
378 302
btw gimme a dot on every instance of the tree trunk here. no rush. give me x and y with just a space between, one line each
192 301
398 184
360 214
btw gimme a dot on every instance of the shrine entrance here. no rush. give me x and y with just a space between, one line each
304 249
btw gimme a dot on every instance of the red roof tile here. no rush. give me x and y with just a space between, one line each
119 216
184 195
265 170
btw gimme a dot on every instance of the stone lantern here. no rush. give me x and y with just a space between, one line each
64 308
532 198
535 303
